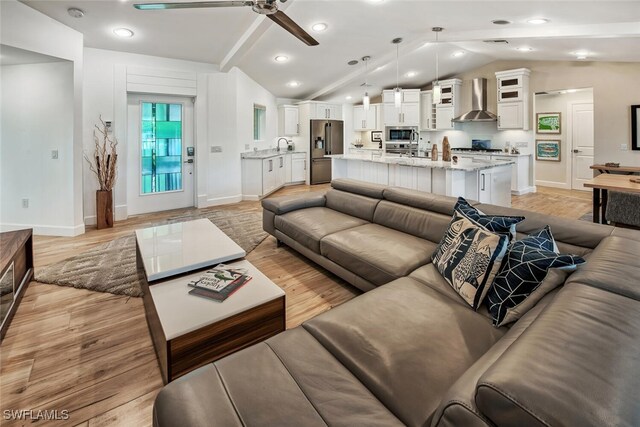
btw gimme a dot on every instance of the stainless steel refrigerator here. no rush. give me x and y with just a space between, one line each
327 137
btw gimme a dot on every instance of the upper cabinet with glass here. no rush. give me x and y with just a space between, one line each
513 99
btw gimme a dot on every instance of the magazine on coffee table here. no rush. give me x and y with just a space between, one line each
219 282
219 277
225 293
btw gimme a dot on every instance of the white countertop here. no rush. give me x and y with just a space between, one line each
267 154
181 313
467 166
496 153
172 249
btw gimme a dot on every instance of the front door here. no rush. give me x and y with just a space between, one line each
582 140
161 161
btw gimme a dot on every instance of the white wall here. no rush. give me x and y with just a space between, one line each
101 97
37 117
223 118
557 174
25 28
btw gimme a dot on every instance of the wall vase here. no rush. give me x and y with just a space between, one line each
104 209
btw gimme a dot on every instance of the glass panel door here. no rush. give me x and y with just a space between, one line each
161 148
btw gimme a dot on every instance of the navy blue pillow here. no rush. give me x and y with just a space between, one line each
541 239
524 267
500 224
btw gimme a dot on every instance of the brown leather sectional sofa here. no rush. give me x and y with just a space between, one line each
411 351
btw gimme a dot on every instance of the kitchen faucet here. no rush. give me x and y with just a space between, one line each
280 139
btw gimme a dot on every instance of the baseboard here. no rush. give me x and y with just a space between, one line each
250 198
47 230
526 190
120 215
218 201
553 184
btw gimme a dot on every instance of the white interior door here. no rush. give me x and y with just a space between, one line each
582 141
160 163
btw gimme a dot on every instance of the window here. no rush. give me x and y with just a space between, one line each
161 147
259 122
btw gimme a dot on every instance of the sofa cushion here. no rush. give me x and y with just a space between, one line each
570 234
282 205
358 187
421 200
576 365
309 226
376 253
417 222
613 266
524 268
352 204
405 342
469 257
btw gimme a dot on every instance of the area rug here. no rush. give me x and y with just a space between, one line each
111 267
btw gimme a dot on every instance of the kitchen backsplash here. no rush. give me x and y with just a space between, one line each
468 131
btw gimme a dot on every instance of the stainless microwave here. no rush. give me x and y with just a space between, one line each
399 134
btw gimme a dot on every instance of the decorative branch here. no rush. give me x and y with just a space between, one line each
104 162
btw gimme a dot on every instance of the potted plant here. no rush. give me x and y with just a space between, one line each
104 165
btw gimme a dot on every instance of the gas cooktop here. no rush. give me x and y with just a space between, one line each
483 150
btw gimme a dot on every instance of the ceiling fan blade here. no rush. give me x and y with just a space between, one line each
192 5
288 24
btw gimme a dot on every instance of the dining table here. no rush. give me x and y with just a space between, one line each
601 186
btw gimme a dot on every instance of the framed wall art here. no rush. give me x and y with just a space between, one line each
635 122
548 150
548 123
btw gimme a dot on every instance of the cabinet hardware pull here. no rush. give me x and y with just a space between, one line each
483 182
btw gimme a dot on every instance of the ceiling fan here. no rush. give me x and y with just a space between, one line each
263 7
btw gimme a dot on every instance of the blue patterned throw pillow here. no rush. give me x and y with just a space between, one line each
495 223
469 257
525 266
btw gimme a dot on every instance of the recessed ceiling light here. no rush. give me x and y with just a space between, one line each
501 22
281 58
349 97
75 12
320 26
572 90
457 53
411 74
581 54
293 84
380 68
123 32
524 49
537 21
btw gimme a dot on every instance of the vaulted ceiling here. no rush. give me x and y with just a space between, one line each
605 30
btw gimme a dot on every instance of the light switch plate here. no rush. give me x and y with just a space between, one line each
247 146
54 154
25 203
623 147
523 144
216 149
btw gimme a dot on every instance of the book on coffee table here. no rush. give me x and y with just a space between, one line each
218 277
223 294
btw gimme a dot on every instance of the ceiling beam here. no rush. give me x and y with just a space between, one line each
248 39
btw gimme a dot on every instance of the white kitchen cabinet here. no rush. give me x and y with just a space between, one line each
298 168
444 117
494 186
323 111
406 115
513 99
281 167
427 111
365 120
510 115
269 176
288 120
520 173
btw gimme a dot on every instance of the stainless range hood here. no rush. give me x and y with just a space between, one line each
478 111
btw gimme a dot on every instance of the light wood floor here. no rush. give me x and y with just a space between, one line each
91 353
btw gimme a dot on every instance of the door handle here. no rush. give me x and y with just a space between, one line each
577 151
188 161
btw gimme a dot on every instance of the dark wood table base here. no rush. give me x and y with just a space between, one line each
600 199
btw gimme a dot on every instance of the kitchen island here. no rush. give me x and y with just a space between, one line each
488 181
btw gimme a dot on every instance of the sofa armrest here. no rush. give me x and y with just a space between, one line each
282 205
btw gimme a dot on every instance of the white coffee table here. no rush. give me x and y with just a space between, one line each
172 249
190 331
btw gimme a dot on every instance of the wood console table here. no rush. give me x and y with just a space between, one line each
16 271
629 170
601 185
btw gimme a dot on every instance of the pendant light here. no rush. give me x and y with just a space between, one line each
366 101
437 89
397 93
